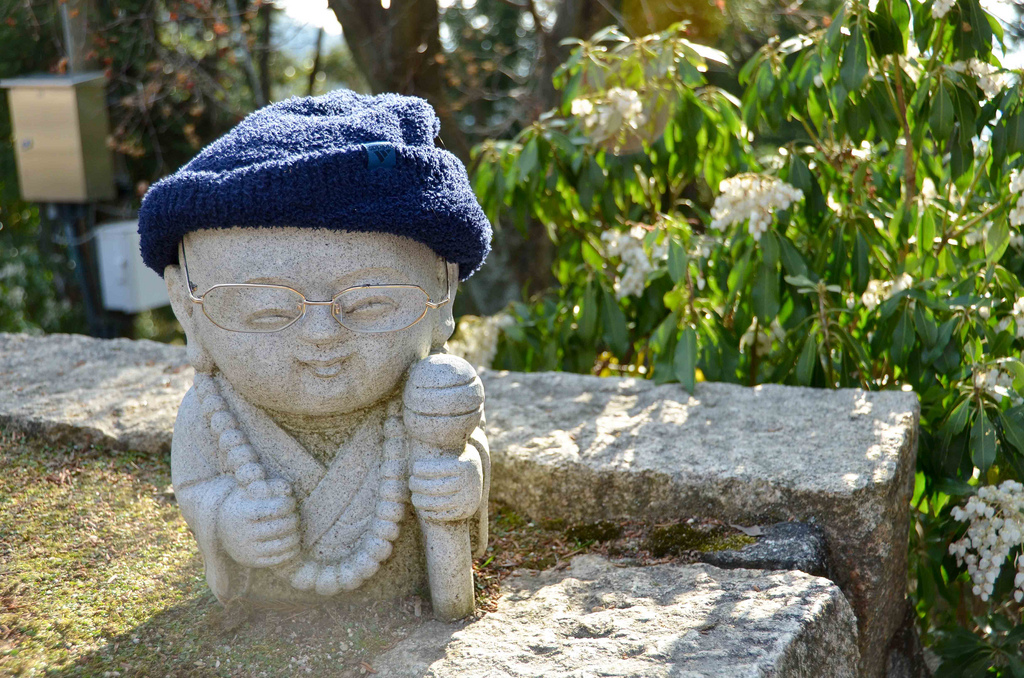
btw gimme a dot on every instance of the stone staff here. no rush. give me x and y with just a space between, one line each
444 401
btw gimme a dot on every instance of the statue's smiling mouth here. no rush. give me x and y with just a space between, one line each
325 369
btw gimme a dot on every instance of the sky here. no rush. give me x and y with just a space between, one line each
313 13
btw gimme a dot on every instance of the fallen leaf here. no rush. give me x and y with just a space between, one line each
755 531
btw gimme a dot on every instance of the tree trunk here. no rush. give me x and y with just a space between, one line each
316 60
574 19
397 50
266 11
244 55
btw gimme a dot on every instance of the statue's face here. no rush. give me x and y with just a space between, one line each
316 366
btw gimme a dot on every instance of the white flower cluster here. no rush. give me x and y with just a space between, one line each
762 340
606 116
997 382
701 246
941 8
635 265
878 291
977 235
753 197
989 79
1017 186
627 105
477 338
1016 315
996 517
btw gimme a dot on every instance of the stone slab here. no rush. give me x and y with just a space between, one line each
581 448
112 392
685 621
782 546
584 449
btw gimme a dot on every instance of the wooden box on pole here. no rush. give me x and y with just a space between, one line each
60 137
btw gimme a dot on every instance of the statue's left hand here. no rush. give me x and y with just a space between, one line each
447 489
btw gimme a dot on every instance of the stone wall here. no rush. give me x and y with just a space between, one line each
583 449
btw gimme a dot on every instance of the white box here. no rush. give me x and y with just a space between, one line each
128 284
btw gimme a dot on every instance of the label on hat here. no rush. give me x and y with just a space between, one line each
379 154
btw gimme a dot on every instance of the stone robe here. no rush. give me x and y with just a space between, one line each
336 499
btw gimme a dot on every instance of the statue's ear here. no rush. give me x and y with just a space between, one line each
444 324
174 278
185 311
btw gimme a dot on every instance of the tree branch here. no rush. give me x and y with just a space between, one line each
244 55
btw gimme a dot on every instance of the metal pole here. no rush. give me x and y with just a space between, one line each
68 219
74 22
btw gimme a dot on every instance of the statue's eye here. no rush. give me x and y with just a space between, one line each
369 306
271 316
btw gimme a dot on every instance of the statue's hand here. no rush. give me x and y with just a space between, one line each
259 532
443 402
449 488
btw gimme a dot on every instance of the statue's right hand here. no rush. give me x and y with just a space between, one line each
259 532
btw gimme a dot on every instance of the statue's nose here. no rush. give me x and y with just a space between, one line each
320 327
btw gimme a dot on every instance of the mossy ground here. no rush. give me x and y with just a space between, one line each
99 576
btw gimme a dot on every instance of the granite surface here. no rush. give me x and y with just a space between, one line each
685 621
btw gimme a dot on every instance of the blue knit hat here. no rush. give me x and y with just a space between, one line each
341 161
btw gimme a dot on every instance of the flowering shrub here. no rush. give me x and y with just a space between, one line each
996 517
476 339
876 246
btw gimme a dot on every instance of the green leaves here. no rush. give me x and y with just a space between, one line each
766 281
941 117
677 261
956 421
926 327
1012 423
527 162
996 241
983 441
616 333
588 313
902 338
766 293
901 16
975 27
885 33
792 260
1008 137
855 61
861 263
805 363
686 359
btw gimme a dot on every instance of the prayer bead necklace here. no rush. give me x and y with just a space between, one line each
375 543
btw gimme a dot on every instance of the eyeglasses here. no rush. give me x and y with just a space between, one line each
258 308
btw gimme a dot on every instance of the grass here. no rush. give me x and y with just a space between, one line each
99 576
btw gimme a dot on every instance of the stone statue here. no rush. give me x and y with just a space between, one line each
328 444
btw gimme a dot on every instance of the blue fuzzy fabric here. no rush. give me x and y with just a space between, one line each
303 163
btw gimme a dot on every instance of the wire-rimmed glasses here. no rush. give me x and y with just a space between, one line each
263 308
